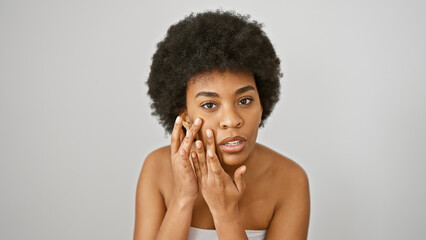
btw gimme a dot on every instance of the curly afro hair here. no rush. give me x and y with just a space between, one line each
205 42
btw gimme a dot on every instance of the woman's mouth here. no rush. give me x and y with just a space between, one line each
233 146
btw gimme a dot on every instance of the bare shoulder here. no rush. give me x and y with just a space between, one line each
286 175
162 153
282 166
150 207
290 185
157 160
157 167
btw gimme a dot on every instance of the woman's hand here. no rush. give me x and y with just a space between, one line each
186 187
220 192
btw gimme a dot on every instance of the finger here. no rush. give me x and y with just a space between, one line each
177 128
201 157
239 178
190 135
213 163
181 136
184 159
211 149
210 141
196 165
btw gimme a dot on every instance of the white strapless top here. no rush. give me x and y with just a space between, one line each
210 234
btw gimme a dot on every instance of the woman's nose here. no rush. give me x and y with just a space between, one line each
230 118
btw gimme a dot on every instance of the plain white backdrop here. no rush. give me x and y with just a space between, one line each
75 123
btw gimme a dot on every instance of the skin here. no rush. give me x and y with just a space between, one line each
202 185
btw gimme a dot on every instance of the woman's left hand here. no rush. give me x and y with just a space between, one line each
220 192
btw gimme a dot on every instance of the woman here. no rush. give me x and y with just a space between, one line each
214 80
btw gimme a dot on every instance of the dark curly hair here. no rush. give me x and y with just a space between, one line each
205 42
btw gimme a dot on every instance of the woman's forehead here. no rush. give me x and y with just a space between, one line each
220 81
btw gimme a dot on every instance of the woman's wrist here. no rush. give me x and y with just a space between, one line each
177 220
231 213
182 201
228 224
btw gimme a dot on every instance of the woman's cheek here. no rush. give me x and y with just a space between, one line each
202 133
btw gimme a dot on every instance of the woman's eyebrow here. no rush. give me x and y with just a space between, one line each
206 94
213 94
244 89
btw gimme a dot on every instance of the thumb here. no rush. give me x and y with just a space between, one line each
239 178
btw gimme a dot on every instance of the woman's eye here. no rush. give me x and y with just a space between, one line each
209 105
245 101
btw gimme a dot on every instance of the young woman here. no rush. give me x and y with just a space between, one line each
214 80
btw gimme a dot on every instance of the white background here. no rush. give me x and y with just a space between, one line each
75 120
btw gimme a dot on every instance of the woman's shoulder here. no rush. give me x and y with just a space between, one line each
157 162
290 192
162 153
284 172
279 162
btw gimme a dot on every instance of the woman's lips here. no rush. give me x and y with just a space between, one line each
233 146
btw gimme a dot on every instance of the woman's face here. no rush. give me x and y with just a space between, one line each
229 105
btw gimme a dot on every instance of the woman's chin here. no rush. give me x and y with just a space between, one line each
232 159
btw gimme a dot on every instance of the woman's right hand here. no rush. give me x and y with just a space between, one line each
186 186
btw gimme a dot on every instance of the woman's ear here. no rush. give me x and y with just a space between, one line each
186 120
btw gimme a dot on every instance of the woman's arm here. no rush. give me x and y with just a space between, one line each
291 217
220 192
150 208
228 225
153 221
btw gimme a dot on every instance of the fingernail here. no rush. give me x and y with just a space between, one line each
209 133
178 119
210 153
197 122
193 155
243 170
198 144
